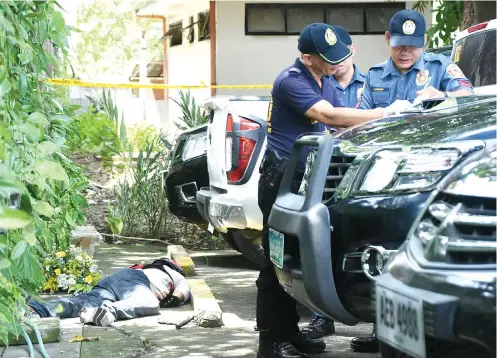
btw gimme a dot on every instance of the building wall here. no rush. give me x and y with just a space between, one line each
188 63
249 59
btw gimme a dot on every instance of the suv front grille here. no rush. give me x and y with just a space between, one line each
336 171
469 224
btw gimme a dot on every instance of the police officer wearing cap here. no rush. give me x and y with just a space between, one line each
348 82
409 72
347 79
303 99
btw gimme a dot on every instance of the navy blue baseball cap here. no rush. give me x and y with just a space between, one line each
321 39
343 34
407 28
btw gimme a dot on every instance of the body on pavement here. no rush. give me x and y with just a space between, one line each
126 294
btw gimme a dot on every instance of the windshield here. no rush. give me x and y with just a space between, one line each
475 55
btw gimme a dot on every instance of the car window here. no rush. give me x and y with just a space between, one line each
475 55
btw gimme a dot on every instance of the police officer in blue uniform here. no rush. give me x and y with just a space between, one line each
409 72
303 100
348 82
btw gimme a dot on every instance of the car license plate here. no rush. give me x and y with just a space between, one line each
276 244
399 321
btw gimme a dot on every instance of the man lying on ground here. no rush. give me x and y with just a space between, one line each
129 293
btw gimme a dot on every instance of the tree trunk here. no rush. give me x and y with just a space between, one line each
476 12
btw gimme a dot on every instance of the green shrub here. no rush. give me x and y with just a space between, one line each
139 135
35 121
191 113
92 132
141 203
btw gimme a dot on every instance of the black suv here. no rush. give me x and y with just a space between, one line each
437 295
361 192
187 172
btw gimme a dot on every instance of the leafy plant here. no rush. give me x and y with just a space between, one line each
448 16
106 104
92 132
70 270
140 135
141 203
35 122
192 115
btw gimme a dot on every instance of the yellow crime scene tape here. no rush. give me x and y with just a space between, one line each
80 83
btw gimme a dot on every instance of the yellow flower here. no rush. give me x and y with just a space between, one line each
50 285
57 271
88 279
60 254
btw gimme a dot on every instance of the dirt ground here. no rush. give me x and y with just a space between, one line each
100 195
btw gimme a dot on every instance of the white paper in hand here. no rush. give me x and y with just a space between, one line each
419 99
397 107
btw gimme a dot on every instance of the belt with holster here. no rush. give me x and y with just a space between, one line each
273 159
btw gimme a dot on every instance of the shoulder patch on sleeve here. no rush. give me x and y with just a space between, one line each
465 83
454 70
294 70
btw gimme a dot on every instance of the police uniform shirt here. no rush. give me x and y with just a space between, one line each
385 84
352 92
294 92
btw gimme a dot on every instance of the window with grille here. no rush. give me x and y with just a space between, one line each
176 33
289 19
204 28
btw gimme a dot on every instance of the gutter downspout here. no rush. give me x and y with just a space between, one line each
212 26
164 30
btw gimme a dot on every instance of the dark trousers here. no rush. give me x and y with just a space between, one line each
277 317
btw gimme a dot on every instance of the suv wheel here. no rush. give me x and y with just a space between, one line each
230 241
249 244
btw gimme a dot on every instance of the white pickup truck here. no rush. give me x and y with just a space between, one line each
237 140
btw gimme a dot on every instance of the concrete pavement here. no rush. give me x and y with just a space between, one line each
232 281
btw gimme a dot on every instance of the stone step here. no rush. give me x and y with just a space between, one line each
49 330
86 237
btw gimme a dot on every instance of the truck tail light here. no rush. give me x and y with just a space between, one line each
238 158
478 27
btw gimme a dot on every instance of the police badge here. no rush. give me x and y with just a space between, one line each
359 92
330 37
409 27
422 77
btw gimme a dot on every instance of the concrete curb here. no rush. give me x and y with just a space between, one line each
179 254
203 300
49 330
201 295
